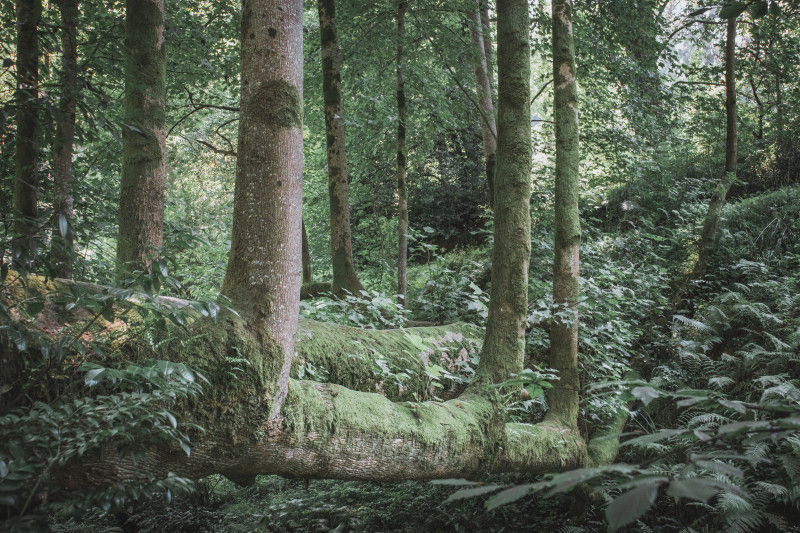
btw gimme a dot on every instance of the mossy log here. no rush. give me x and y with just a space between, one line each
325 430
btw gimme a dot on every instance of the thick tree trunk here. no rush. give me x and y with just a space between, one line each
26 177
563 400
306 256
488 124
63 236
504 344
708 236
141 201
345 279
263 278
402 194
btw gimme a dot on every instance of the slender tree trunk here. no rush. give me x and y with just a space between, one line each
63 236
486 31
345 279
779 148
26 177
306 254
563 401
263 278
488 125
141 202
760 105
402 194
504 345
708 236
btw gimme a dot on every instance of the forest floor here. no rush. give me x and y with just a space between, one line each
277 504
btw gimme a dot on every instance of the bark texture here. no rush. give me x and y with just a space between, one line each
563 400
26 176
263 275
488 123
63 235
504 344
306 256
708 237
402 193
487 41
345 279
141 201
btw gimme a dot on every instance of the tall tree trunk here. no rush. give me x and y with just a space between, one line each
563 400
26 177
345 279
262 279
306 256
504 344
402 193
708 236
63 236
779 148
141 202
486 31
488 124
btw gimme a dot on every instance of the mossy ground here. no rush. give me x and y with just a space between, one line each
277 504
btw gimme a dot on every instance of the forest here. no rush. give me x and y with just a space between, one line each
399 265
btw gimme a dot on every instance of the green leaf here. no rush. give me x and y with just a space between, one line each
758 9
35 307
632 505
700 11
507 496
698 489
732 10
454 482
62 225
645 394
472 492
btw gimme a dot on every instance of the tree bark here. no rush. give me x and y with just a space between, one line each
345 279
306 256
26 176
486 27
563 400
504 345
63 236
488 124
141 202
708 236
779 147
402 193
263 275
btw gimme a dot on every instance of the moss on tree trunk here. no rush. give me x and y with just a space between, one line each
402 194
141 201
26 95
563 400
708 236
504 343
63 236
345 279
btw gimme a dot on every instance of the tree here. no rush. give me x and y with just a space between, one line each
708 236
504 346
345 279
402 192
141 201
563 401
306 257
26 176
63 234
485 102
264 422
262 279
